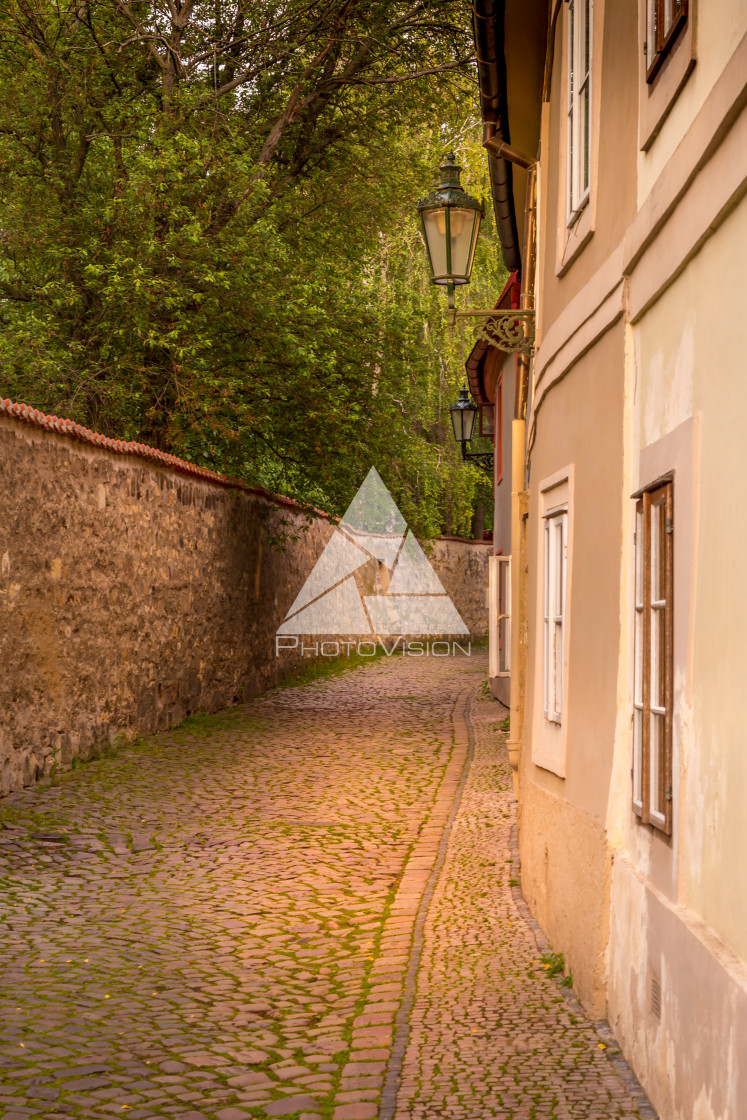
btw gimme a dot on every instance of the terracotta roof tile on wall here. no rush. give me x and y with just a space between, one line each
75 431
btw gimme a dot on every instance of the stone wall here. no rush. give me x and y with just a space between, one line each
133 593
462 567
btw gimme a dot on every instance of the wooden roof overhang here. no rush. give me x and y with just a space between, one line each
510 44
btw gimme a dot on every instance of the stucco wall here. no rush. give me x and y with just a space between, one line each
564 852
570 257
666 229
132 595
679 906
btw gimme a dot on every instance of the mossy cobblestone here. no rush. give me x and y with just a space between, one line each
218 923
201 925
492 1035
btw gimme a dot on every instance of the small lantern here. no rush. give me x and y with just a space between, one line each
451 222
463 415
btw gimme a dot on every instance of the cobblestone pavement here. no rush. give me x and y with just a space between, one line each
491 1035
217 924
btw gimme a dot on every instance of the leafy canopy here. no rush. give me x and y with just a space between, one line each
208 237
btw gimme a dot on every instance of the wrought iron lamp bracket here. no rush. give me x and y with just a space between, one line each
483 460
511 331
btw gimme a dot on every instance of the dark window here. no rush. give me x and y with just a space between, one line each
665 20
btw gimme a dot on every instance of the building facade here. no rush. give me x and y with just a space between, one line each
628 611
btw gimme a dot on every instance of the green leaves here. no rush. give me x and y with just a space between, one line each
209 240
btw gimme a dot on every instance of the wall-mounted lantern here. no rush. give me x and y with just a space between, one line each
450 219
463 414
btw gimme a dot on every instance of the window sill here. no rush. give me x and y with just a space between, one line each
656 99
577 238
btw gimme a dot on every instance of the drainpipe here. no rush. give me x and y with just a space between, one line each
519 493
491 67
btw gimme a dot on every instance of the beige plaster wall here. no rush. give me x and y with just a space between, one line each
691 348
719 26
565 863
679 906
131 596
690 1057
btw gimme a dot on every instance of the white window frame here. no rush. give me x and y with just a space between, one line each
579 53
499 597
549 739
555 577
638 709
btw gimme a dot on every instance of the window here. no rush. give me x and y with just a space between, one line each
487 420
579 105
490 421
556 549
664 21
499 582
552 632
652 689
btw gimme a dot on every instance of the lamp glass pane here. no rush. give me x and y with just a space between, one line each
462 242
476 228
434 224
468 422
457 417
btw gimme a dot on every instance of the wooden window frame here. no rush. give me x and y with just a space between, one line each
486 428
578 106
653 685
659 41
496 436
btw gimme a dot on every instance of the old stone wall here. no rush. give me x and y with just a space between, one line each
462 567
132 595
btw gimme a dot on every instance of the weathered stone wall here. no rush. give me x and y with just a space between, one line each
462 567
132 596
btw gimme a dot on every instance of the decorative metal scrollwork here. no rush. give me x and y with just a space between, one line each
511 331
483 460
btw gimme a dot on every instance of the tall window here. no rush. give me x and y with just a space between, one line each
579 104
556 551
652 698
664 21
499 594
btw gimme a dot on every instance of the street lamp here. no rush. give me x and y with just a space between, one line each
463 414
450 219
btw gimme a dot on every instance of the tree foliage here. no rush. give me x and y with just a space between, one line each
208 240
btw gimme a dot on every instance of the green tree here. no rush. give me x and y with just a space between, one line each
208 240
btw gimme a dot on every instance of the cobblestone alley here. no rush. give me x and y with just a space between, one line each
300 908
